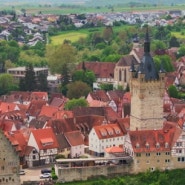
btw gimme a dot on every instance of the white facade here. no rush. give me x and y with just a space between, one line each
98 145
77 151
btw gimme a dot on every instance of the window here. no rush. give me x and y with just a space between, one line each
147 154
167 160
181 159
178 143
167 153
178 151
158 153
138 154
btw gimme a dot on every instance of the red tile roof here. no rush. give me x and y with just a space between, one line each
44 136
6 107
74 138
100 69
114 149
152 140
108 131
48 111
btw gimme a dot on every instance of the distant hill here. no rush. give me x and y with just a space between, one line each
92 2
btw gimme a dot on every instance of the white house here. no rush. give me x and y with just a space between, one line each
76 141
45 143
105 136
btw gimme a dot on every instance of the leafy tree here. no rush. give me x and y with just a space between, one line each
60 56
172 91
165 60
71 104
158 45
107 34
181 51
6 83
77 89
106 86
84 76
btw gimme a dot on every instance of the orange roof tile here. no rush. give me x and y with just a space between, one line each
74 138
114 149
48 111
45 135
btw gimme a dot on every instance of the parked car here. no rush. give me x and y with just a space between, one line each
45 171
21 172
45 175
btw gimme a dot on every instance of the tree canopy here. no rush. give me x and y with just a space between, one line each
71 104
59 56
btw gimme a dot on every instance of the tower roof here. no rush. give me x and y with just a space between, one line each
147 65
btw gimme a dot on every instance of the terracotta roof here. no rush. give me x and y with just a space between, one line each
17 138
108 112
114 149
6 107
48 111
100 69
108 131
35 107
100 95
71 138
152 140
45 138
39 122
39 96
63 114
58 102
116 95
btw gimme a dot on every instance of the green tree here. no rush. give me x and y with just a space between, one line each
71 104
172 91
84 76
106 86
165 60
108 34
59 56
158 45
174 42
77 89
7 83
30 82
181 51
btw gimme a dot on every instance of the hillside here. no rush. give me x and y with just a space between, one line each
91 2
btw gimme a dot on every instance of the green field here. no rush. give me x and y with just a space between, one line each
72 36
180 35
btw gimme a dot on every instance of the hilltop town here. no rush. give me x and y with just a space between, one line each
119 132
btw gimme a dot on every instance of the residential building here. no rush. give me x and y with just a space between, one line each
19 72
45 143
105 136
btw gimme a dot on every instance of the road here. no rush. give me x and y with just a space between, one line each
32 174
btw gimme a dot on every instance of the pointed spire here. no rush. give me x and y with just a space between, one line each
147 42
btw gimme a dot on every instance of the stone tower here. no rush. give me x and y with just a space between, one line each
147 89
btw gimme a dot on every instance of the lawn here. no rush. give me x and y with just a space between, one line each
180 35
72 36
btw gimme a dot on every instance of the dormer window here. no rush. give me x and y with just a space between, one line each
46 141
110 133
157 145
137 145
166 145
147 145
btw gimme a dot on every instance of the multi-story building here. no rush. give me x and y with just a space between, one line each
9 162
19 72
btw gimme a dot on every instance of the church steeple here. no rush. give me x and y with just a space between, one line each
147 64
147 42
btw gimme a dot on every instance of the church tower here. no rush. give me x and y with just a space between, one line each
147 89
